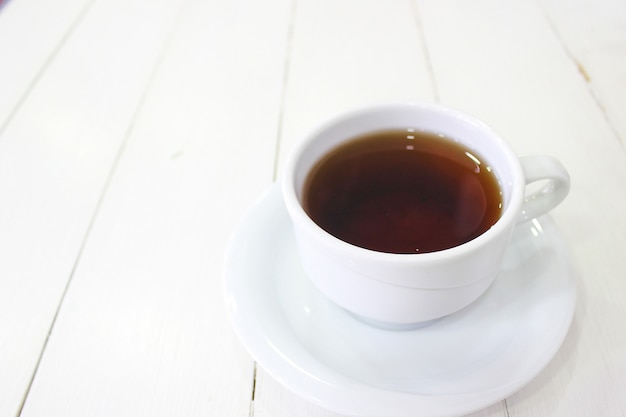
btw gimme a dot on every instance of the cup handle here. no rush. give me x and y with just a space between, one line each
552 193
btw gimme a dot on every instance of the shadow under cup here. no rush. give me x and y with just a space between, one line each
391 289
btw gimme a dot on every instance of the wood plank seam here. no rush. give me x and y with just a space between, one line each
254 376
49 59
285 84
127 134
427 58
251 412
582 71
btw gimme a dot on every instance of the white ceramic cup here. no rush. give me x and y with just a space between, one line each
403 290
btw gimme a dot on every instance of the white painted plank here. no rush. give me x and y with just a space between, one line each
143 329
505 63
25 52
343 55
275 400
173 353
55 157
351 54
594 34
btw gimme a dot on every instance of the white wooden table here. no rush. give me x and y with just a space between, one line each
134 135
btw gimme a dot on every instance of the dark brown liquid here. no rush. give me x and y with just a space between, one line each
403 191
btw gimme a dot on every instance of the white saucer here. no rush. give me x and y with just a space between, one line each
456 365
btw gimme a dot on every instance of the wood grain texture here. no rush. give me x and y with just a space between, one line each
350 54
594 35
143 328
343 56
505 63
518 77
55 157
135 134
26 53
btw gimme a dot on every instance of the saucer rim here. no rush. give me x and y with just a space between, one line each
344 392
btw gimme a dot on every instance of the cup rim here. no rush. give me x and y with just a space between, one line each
297 212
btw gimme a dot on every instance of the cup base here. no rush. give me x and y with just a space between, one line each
383 325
